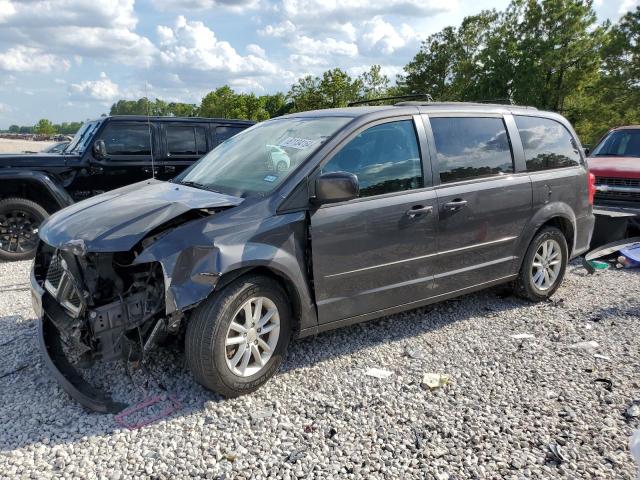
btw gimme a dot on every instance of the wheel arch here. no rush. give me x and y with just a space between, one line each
38 187
268 271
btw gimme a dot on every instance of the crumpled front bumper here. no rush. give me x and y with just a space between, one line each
53 354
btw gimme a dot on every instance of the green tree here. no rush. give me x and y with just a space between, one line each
224 102
14 129
373 84
44 127
334 89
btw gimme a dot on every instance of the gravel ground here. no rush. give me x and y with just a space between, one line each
506 402
8 145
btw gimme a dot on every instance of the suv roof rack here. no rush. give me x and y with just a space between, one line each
476 103
394 97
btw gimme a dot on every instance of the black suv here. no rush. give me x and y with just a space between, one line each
306 223
105 154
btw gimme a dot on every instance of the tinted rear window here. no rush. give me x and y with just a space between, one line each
547 144
469 147
186 140
127 139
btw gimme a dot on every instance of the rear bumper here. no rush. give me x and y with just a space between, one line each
65 374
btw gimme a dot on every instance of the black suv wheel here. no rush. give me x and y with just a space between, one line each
237 339
20 220
543 266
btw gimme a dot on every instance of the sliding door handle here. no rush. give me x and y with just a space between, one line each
419 210
455 204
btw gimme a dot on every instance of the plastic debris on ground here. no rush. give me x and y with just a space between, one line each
378 373
522 336
601 357
434 380
634 410
589 346
634 447
621 254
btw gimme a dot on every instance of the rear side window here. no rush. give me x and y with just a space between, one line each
469 147
385 158
223 133
547 144
123 139
186 140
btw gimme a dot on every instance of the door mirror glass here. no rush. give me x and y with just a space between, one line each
336 187
99 149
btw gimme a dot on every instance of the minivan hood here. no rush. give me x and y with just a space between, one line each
620 167
115 221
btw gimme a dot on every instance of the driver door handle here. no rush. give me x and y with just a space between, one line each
456 204
419 210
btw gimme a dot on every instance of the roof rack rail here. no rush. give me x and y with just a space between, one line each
394 97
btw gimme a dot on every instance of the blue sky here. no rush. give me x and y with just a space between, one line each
70 59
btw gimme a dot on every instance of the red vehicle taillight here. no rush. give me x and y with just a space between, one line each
592 187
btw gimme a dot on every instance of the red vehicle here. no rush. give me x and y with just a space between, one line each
615 162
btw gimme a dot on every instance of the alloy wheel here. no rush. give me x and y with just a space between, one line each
252 336
546 266
18 231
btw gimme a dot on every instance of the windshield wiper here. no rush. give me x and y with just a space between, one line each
201 186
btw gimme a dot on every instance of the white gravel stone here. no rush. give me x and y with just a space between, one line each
506 401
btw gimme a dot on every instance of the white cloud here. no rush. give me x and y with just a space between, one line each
328 46
28 59
6 10
103 29
192 45
345 10
279 30
256 50
4 108
306 60
179 5
103 89
627 6
381 36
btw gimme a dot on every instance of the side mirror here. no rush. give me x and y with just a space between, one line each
99 149
587 151
336 187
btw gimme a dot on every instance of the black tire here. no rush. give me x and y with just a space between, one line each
524 286
205 347
24 245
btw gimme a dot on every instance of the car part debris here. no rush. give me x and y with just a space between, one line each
633 411
415 353
608 249
434 380
522 336
174 404
378 373
601 357
556 452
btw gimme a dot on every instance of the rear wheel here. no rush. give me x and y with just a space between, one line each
237 339
20 221
544 265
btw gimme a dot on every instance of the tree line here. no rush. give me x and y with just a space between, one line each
550 54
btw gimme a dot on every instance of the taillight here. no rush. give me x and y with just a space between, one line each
592 187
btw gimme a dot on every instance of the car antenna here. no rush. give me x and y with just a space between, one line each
153 166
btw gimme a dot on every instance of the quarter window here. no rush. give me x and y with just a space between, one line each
186 140
223 133
547 144
385 158
471 147
120 139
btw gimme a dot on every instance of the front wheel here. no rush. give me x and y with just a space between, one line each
20 221
544 265
237 339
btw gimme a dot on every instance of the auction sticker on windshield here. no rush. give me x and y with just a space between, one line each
297 143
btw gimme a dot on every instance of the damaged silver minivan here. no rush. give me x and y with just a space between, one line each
305 223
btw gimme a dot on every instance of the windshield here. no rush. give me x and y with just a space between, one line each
81 138
620 143
257 160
